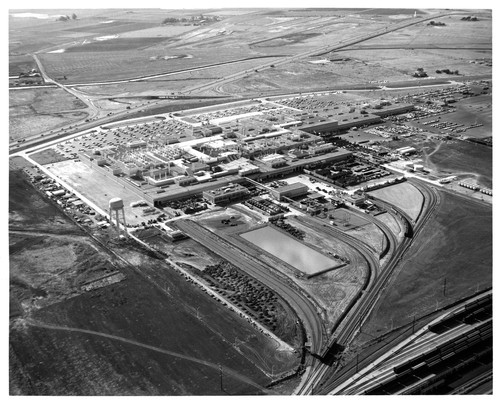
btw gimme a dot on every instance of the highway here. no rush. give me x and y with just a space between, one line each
217 83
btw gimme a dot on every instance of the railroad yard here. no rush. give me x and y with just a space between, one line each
265 223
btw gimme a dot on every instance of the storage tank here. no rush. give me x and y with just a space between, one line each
116 203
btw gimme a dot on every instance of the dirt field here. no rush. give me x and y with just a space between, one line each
456 245
32 111
402 195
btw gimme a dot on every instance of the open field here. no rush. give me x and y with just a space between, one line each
46 269
87 67
456 246
29 210
163 31
115 44
305 76
124 345
164 85
404 196
452 157
252 297
455 157
32 111
393 60
456 32
464 159
371 235
474 110
21 64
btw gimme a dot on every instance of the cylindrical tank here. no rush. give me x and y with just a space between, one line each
116 203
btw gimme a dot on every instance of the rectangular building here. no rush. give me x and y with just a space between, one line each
291 191
226 194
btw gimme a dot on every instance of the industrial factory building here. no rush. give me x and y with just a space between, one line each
290 191
226 194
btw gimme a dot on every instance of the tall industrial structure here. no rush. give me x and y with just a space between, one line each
116 205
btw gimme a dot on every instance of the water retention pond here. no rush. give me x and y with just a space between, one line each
289 250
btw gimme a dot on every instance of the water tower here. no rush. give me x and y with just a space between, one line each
116 205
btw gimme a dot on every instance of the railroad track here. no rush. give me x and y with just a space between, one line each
304 308
420 352
368 301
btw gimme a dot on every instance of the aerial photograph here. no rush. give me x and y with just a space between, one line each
250 200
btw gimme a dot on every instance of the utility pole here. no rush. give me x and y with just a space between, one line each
413 325
444 287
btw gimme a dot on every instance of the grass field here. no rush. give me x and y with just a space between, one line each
21 64
474 110
404 196
28 210
32 111
453 157
115 45
132 337
463 159
46 268
456 246
85 67
391 222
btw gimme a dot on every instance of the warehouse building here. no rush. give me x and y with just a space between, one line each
226 194
290 191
